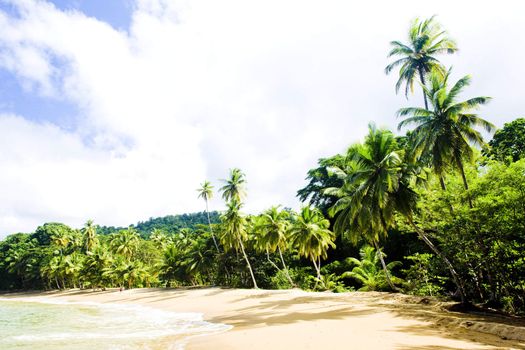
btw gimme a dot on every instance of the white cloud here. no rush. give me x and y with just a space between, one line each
198 87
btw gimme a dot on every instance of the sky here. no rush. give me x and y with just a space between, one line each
118 110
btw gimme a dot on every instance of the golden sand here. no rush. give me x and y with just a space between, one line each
294 319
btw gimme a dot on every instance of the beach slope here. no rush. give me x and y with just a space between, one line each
294 319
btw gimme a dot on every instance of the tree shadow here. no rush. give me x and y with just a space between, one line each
270 318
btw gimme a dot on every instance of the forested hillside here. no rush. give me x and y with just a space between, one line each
169 223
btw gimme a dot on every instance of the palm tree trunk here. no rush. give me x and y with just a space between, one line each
465 183
442 183
318 271
270 260
385 269
444 188
248 263
422 77
285 267
209 225
431 245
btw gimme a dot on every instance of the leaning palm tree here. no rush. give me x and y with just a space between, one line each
235 232
366 204
426 39
446 133
271 228
206 193
235 186
312 238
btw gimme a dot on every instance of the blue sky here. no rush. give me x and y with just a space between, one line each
22 100
115 12
117 110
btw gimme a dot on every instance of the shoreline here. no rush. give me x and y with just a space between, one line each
295 319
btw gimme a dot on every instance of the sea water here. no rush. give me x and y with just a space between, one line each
40 324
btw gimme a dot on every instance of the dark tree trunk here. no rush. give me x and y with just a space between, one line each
465 183
431 245
285 267
385 269
422 77
248 263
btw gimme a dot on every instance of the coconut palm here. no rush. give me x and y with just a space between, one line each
366 204
376 186
446 133
271 228
125 242
53 271
235 232
136 272
96 261
309 233
426 39
206 193
160 238
72 266
368 270
90 236
235 186
61 239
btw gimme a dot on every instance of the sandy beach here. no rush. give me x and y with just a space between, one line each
295 319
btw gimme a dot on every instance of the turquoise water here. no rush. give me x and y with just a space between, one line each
45 325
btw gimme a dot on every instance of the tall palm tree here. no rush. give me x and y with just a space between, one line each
235 186
271 228
366 205
206 193
90 236
426 39
445 133
235 232
312 238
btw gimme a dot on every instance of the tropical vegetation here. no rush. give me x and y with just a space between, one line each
429 209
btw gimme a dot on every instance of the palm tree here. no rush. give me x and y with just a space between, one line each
271 228
72 266
366 205
426 39
160 238
53 270
206 193
312 238
445 133
96 261
125 242
368 270
235 186
62 239
376 186
90 236
235 232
